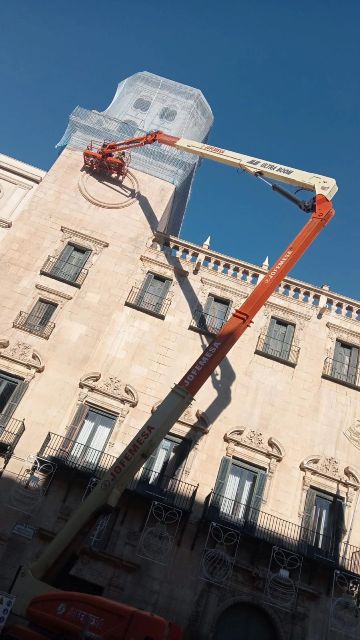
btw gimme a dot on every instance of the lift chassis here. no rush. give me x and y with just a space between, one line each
31 580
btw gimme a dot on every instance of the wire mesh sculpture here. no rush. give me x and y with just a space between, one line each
344 614
283 578
219 554
158 536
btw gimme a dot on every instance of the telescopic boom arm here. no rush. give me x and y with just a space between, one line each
110 488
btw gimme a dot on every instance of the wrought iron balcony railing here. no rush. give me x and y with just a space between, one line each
276 531
10 434
206 323
32 324
341 372
285 352
168 489
63 271
148 302
74 455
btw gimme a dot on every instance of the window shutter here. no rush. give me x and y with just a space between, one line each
149 465
164 290
66 253
176 466
144 287
338 528
308 515
258 493
48 311
354 357
77 421
205 316
288 338
223 475
13 402
270 342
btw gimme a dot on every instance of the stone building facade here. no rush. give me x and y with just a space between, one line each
245 521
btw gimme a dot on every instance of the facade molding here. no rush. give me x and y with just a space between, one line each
148 262
343 333
327 474
22 355
91 242
257 450
110 386
53 292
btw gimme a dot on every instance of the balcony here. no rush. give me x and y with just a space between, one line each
149 302
10 434
27 322
69 454
206 323
167 489
276 531
342 373
63 271
277 350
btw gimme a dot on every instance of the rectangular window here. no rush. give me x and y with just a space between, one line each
40 316
238 490
214 315
323 521
91 437
153 292
12 390
70 263
278 339
167 461
345 362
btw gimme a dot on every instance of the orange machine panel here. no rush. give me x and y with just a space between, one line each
72 613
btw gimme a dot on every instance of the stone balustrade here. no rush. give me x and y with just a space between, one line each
202 259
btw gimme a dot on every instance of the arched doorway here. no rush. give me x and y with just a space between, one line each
244 620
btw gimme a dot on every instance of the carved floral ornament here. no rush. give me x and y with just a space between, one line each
353 433
288 315
326 472
341 333
82 239
21 353
213 287
252 440
111 387
165 267
192 418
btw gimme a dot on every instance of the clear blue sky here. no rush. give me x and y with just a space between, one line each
281 77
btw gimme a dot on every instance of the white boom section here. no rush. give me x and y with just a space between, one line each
322 185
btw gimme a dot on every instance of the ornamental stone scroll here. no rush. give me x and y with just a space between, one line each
251 445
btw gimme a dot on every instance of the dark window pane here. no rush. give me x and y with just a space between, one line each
7 388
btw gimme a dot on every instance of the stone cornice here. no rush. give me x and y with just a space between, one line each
83 237
223 287
338 331
153 263
272 307
53 292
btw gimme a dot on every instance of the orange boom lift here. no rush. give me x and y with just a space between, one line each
119 621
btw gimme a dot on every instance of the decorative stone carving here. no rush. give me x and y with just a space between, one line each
325 472
21 353
337 332
95 244
353 433
165 267
257 450
192 418
110 386
289 315
254 440
223 290
53 292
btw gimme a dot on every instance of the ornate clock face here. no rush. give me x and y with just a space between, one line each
107 192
